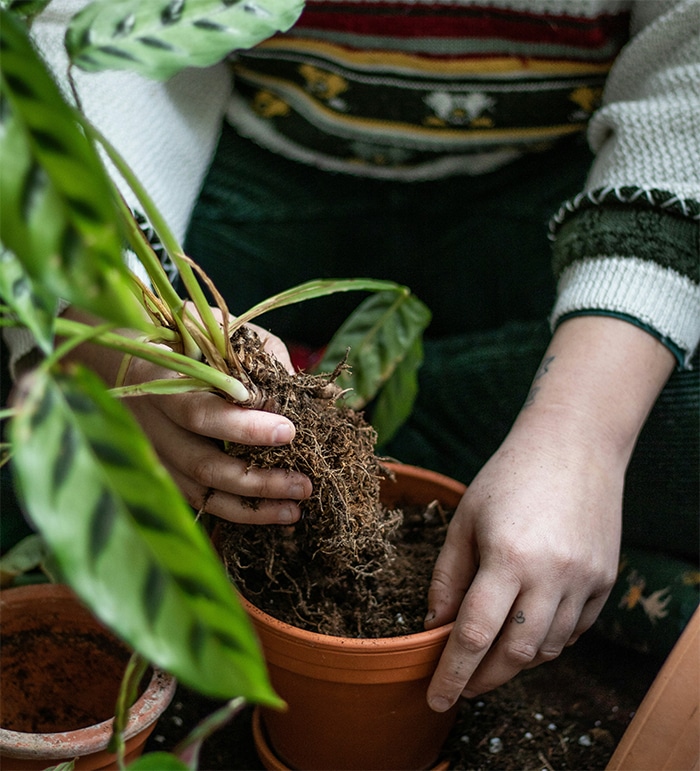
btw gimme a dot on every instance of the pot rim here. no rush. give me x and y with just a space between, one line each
423 639
69 744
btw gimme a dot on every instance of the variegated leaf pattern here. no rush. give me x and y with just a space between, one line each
125 539
158 38
380 333
27 303
58 213
26 9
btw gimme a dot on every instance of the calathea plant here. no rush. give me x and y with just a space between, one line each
119 530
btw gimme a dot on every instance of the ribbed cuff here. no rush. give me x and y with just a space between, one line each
661 300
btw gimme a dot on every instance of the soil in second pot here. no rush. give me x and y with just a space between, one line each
351 566
59 679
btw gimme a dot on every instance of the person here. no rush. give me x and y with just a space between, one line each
432 143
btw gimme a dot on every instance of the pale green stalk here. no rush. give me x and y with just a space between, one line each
162 357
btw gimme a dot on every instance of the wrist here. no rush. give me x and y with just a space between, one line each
597 383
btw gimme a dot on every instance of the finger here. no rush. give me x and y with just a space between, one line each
454 571
209 467
235 508
481 616
212 416
526 629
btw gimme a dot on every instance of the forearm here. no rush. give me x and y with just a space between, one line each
597 382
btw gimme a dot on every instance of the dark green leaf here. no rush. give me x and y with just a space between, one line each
162 37
152 585
395 400
380 334
25 8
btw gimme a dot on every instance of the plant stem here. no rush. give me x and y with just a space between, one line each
162 357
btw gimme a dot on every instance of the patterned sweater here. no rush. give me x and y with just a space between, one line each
413 89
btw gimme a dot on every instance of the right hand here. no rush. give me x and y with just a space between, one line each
182 429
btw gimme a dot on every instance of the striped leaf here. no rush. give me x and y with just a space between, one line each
58 213
158 38
29 305
26 9
126 541
384 337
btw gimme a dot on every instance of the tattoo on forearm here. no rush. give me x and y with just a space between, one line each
541 372
519 617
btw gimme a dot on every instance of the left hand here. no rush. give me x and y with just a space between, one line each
529 560
531 554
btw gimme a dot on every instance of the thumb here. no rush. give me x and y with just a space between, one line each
453 573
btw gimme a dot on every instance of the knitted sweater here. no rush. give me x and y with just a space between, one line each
414 89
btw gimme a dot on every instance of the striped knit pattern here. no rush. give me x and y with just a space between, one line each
357 84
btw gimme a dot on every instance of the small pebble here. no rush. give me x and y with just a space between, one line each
159 738
399 619
480 704
464 739
177 720
585 740
538 716
527 735
495 745
552 727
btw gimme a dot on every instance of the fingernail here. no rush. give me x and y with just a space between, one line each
439 704
287 515
283 434
298 492
430 615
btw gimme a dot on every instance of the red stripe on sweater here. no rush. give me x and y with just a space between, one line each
400 20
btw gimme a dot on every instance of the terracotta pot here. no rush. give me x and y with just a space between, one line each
60 674
356 703
664 734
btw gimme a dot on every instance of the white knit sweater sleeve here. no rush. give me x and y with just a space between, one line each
646 138
167 132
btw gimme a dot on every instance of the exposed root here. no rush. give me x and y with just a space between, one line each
324 572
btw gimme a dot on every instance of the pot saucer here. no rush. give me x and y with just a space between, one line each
273 763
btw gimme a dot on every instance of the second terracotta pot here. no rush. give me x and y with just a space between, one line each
357 703
61 671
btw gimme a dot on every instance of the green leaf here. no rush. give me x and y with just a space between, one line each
319 288
26 9
157 761
31 307
125 539
58 213
161 37
381 333
23 557
188 750
395 401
